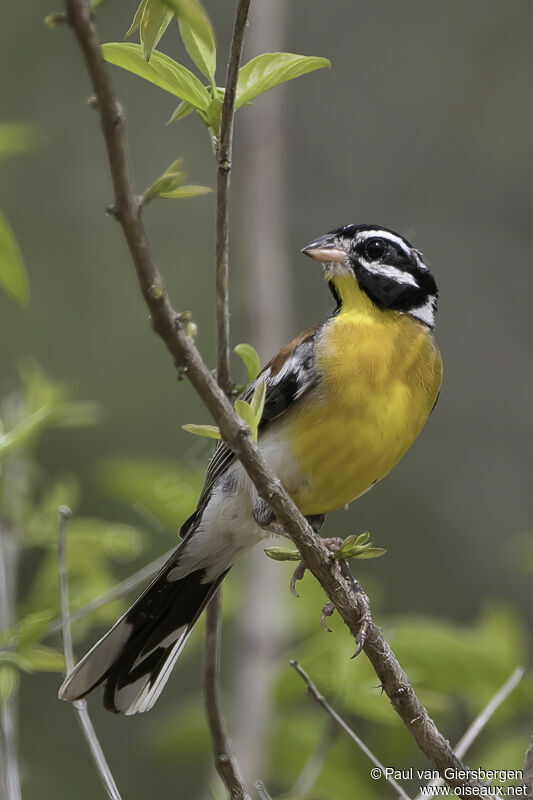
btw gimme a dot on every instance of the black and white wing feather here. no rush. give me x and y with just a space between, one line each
288 376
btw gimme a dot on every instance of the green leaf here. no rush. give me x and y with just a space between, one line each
270 69
13 276
197 34
258 401
213 115
359 547
17 138
282 554
209 431
172 178
155 20
372 552
161 70
186 191
137 19
251 360
245 412
45 659
182 111
9 681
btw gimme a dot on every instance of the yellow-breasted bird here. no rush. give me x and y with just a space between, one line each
344 401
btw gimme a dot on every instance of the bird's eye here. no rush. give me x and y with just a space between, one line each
375 249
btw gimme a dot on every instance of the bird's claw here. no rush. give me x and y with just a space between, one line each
366 617
327 611
297 575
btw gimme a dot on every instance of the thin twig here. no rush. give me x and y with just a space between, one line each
120 589
268 298
224 155
225 762
235 433
476 726
8 709
474 729
80 706
321 700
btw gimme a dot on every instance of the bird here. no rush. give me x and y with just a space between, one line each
344 401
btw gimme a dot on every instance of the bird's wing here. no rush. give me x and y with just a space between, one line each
288 376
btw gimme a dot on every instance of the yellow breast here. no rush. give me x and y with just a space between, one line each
381 373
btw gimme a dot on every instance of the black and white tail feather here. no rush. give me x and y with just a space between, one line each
136 657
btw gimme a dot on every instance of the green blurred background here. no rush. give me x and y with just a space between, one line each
423 125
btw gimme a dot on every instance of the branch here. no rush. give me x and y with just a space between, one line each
476 726
235 433
321 700
224 760
224 154
80 706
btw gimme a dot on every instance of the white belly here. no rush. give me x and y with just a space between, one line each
228 529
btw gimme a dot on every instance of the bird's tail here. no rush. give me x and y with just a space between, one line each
134 659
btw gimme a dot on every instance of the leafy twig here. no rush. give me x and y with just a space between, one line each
166 324
225 761
80 706
321 700
224 154
477 725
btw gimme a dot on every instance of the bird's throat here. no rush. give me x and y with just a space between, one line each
348 295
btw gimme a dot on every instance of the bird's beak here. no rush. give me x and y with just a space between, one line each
325 249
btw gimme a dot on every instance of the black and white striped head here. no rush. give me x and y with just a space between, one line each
386 266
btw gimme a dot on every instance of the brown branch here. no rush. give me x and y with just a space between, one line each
225 762
224 154
166 324
80 706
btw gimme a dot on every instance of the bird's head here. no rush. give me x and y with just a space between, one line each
381 265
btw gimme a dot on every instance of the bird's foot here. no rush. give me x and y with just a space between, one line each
327 611
297 575
361 597
332 544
